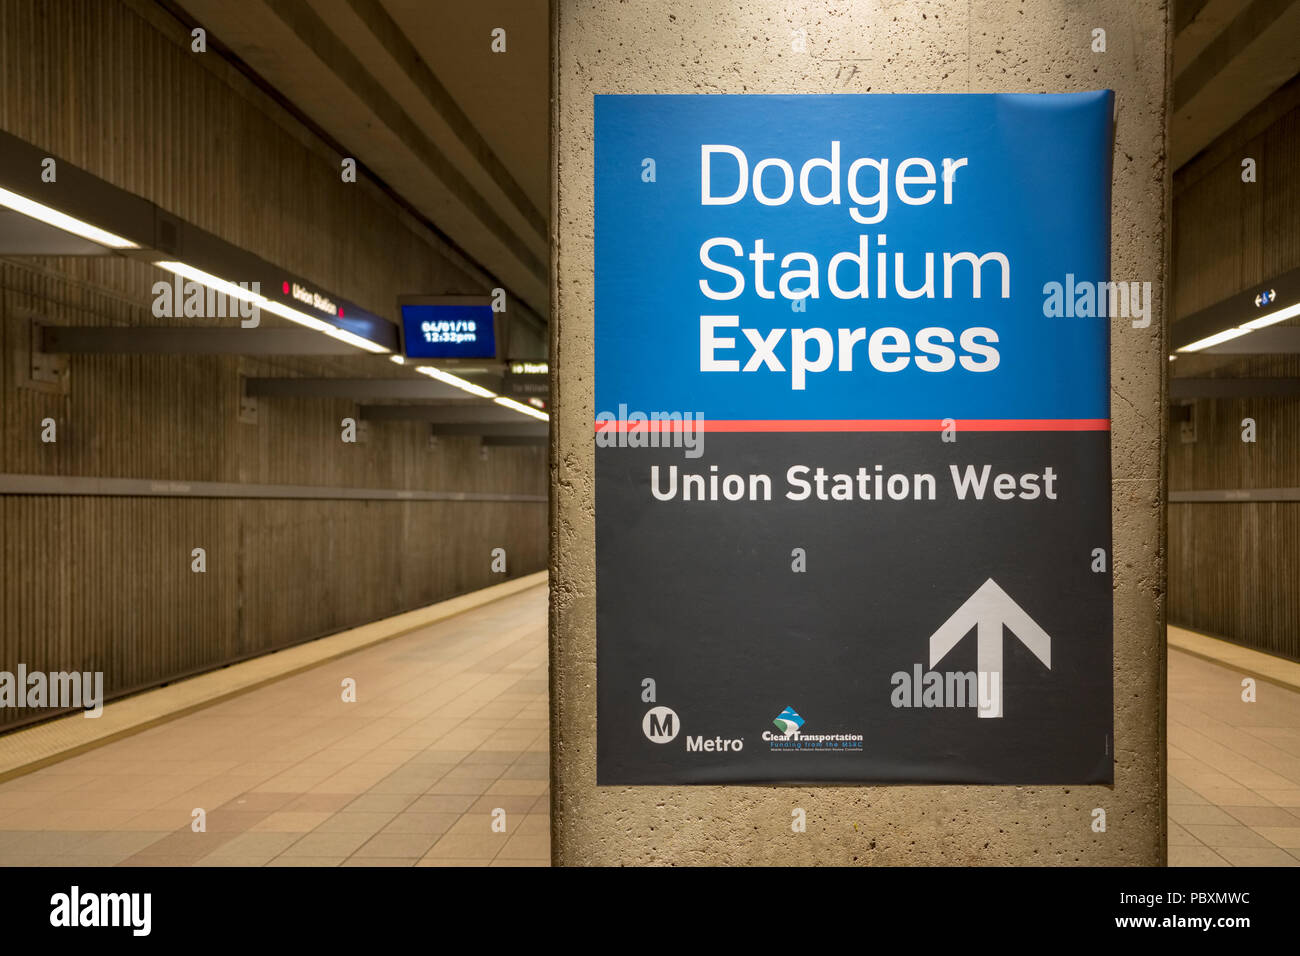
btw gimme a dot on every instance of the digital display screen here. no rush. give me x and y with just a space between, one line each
444 331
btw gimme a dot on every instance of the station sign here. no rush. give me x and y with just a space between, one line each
528 379
852 456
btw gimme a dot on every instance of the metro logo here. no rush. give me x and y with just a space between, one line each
714 745
660 725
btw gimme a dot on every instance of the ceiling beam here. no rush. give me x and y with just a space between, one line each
1250 23
1185 12
407 57
332 51
1250 58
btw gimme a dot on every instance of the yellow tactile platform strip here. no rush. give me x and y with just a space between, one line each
43 744
1278 670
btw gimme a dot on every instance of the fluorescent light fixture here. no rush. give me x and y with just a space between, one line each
343 335
211 281
1281 315
247 295
480 391
53 217
455 380
1215 339
520 407
1272 318
293 315
269 305
397 359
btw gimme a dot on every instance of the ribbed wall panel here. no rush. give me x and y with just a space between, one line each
1238 573
106 584
1234 568
97 85
96 583
1229 235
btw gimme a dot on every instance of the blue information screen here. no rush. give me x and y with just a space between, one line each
448 331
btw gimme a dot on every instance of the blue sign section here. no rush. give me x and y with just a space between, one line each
367 326
448 331
854 257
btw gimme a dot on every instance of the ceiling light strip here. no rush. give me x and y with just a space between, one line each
52 217
1245 328
1215 339
270 305
455 381
521 407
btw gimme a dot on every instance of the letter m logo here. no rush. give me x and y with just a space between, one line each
660 725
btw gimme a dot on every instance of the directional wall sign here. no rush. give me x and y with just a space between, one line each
528 379
853 438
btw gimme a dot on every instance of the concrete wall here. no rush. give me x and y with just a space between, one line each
1233 565
676 46
99 583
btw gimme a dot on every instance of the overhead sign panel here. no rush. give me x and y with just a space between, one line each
528 379
852 438
448 327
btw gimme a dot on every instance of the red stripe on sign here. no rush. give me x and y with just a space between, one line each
868 425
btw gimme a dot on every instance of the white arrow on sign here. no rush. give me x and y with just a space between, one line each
987 610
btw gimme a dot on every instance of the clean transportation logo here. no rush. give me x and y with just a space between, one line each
788 722
792 737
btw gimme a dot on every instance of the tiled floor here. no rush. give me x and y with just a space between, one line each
448 734
1234 768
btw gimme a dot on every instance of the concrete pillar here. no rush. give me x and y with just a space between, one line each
943 46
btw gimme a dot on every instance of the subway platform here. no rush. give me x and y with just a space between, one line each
449 728
448 734
1234 764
